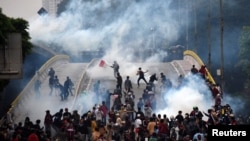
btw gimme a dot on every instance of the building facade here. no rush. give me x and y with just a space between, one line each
51 6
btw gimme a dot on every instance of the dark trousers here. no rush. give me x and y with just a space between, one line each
138 80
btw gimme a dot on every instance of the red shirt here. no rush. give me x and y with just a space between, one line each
33 137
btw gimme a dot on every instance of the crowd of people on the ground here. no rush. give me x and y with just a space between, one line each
126 119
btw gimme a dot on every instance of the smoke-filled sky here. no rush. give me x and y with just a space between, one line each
91 25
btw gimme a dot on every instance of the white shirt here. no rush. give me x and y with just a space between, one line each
138 122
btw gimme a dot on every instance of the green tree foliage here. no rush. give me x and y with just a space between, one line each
244 44
5 27
11 25
244 62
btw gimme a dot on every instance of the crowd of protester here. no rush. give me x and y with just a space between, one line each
124 119
63 90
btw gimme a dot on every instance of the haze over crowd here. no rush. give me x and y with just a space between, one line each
119 27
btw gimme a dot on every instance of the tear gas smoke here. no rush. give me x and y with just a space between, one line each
193 92
123 25
120 28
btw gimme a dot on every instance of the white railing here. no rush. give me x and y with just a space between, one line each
41 74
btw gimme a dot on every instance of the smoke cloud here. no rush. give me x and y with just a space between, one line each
121 28
109 24
193 92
